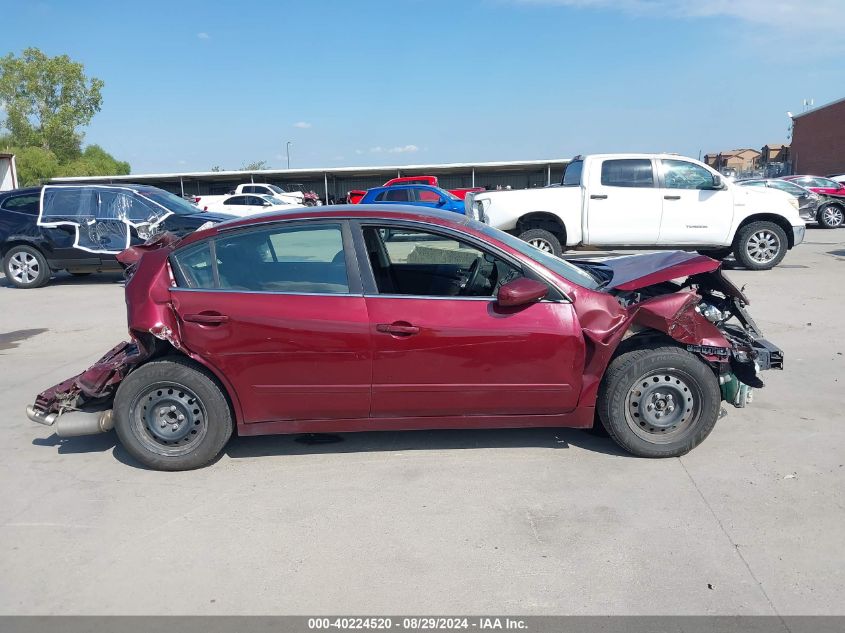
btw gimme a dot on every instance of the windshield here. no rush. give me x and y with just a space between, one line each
169 201
572 174
555 264
274 200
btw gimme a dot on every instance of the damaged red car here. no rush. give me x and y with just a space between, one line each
361 319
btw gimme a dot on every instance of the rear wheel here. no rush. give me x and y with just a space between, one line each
543 240
760 245
26 267
658 401
170 414
831 216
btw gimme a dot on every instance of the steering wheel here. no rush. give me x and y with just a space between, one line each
472 276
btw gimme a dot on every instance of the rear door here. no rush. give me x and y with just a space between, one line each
694 212
280 313
443 347
623 203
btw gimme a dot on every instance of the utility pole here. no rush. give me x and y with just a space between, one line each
287 148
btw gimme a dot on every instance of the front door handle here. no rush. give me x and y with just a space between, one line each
671 197
399 328
597 196
206 318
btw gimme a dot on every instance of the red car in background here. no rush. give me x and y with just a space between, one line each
819 184
355 196
364 318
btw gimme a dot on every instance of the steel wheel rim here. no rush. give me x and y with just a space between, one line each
24 267
541 244
833 216
169 419
663 405
763 246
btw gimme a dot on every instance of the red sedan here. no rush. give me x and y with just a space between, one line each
817 184
365 318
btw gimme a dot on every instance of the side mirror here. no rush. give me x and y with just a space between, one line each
717 182
442 202
520 292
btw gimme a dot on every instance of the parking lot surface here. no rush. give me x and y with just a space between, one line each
539 521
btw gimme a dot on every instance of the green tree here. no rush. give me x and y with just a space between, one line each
95 161
34 164
47 100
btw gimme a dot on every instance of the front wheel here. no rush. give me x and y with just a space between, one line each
760 245
831 216
658 401
543 240
170 414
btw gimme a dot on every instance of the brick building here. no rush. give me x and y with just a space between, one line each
818 140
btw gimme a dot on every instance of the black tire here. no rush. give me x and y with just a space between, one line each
26 267
542 239
717 253
147 407
643 380
831 216
760 245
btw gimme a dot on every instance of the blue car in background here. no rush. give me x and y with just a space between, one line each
417 195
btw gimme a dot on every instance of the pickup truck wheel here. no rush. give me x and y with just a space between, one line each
831 216
172 415
760 245
26 267
658 401
542 240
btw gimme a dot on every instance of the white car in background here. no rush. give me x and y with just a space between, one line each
243 205
260 188
839 178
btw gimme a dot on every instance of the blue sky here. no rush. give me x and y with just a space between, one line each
192 84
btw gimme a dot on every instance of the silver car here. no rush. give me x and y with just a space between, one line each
808 201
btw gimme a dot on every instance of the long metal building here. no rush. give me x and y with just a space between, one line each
333 183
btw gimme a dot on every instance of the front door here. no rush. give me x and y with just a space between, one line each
623 204
694 212
441 344
279 313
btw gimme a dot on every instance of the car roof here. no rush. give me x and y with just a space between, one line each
448 219
404 186
20 192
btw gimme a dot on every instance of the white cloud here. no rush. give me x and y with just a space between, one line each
378 149
203 35
359 151
783 14
302 125
403 149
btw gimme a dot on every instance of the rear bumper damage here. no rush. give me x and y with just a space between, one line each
81 405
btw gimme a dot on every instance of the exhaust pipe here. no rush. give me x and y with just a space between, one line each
74 423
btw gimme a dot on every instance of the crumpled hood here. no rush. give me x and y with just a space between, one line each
632 272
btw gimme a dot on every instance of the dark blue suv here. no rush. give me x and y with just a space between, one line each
80 228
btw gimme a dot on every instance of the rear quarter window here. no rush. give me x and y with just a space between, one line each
27 204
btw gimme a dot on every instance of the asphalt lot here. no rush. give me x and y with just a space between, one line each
452 522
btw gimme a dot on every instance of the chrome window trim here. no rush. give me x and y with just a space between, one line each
267 292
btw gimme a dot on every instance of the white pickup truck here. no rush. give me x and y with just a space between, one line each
647 201
291 197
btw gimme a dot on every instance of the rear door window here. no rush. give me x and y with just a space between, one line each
299 259
628 172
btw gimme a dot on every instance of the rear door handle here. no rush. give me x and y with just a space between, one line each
602 196
671 197
398 329
206 318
